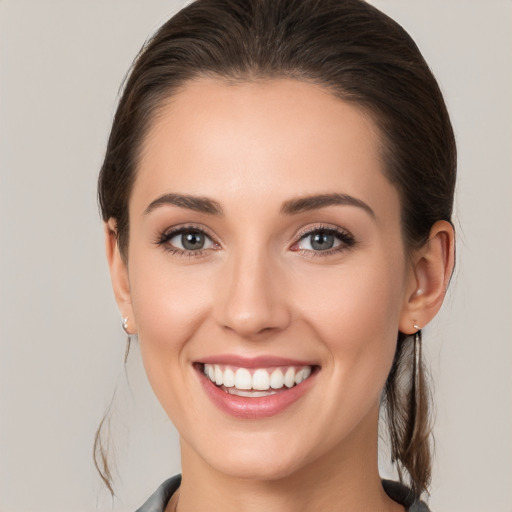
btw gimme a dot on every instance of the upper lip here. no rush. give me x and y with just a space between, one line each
262 361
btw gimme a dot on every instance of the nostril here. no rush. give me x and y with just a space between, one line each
250 300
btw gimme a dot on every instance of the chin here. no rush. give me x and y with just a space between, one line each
256 457
257 469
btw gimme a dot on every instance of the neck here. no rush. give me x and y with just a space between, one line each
345 479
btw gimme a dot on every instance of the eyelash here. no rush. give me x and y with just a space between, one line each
346 239
164 238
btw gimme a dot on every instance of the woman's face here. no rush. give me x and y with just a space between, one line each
265 245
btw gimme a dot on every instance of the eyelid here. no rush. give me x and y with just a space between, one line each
343 235
165 236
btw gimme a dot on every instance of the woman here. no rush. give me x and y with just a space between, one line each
277 194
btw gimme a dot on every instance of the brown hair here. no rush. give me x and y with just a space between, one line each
361 56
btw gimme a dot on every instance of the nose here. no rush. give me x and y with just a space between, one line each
252 299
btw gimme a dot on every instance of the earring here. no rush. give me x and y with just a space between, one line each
416 375
124 324
417 353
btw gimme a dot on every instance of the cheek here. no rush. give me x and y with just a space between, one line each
168 300
354 311
169 306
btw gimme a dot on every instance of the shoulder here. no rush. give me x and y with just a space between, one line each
403 495
159 499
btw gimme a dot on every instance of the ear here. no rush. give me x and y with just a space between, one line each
432 267
119 275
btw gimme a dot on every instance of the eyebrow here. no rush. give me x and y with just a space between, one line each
291 207
303 204
196 203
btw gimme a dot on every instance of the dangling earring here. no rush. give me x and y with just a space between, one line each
417 356
128 338
416 377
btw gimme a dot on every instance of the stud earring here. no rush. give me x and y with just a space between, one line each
125 325
417 327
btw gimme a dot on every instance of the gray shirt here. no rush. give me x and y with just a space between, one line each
396 491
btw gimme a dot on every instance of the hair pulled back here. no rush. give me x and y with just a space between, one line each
361 56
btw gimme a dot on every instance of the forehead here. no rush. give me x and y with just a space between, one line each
261 139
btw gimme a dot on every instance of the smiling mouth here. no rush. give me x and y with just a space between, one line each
256 382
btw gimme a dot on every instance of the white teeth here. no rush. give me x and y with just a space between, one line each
302 374
260 380
289 378
229 378
277 379
218 376
252 394
243 379
298 377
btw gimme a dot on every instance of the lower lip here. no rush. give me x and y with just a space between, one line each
257 407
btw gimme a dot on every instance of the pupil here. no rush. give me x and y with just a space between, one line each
192 241
322 241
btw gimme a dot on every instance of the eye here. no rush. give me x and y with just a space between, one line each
186 240
191 241
319 241
324 240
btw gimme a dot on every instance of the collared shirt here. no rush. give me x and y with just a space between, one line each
396 491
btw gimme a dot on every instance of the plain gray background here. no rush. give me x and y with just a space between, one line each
61 63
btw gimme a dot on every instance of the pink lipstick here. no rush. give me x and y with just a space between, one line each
253 388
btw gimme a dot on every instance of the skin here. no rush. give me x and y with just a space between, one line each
260 289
